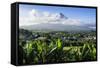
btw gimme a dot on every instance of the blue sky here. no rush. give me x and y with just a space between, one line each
86 15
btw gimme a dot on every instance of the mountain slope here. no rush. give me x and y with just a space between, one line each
56 27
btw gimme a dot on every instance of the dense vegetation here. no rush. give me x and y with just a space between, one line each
56 46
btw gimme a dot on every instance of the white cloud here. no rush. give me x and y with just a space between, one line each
92 27
37 17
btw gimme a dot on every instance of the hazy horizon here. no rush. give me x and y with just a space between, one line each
35 14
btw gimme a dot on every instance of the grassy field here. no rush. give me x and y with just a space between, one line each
55 47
